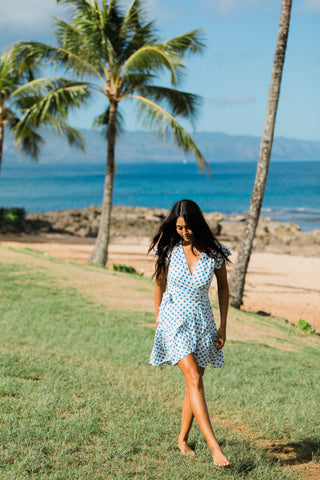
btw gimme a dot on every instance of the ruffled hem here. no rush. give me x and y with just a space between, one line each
173 364
215 359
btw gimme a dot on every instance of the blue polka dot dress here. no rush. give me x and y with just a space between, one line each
186 319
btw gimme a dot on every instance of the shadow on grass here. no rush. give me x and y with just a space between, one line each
246 459
296 453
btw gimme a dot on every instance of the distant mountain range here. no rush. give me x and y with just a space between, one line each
139 146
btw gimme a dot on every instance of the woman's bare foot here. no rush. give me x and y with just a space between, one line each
185 449
219 458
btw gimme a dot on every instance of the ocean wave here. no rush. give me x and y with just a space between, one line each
296 211
307 218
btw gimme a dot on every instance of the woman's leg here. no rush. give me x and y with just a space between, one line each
186 423
195 392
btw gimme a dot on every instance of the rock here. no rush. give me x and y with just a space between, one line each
262 313
142 223
238 218
233 230
215 227
38 224
9 228
214 216
280 229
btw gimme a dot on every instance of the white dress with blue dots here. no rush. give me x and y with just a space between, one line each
186 319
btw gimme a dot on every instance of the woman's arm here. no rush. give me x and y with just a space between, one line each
159 289
223 295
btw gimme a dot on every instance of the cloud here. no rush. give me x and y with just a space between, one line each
27 15
228 7
231 100
160 9
32 19
310 6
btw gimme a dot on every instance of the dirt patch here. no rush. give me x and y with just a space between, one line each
310 471
101 286
123 291
281 285
293 453
296 456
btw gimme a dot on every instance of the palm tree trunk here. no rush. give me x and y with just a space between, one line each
238 276
1 143
100 254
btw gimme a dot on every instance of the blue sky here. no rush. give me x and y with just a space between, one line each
234 71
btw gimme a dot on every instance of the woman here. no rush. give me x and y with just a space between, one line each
187 257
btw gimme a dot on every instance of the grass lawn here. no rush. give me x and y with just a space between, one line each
78 399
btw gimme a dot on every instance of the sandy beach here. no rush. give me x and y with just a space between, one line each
284 270
283 285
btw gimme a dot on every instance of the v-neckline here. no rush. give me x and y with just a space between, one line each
195 268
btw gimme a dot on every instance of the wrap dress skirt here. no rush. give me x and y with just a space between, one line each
186 318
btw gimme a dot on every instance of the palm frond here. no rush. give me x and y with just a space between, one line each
111 7
163 123
115 40
9 78
31 143
6 63
84 41
26 137
190 42
67 35
134 22
151 58
10 116
36 53
13 120
74 137
131 18
86 35
180 103
45 104
54 96
132 81
30 140
89 37
12 74
81 7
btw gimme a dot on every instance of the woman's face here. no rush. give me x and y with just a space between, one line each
183 229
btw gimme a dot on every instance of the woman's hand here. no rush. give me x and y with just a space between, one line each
221 338
159 289
223 294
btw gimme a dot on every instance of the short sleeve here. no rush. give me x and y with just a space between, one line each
218 258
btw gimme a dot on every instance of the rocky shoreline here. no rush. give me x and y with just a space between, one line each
140 223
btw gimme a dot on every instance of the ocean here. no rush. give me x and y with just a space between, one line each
292 193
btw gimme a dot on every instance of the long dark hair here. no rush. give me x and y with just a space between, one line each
167 236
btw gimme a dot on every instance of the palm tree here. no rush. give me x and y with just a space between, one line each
120 55
28 105
238 276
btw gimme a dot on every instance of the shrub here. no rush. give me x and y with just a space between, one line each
118 267
13 216
305 326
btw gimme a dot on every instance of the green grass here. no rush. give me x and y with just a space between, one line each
78 399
